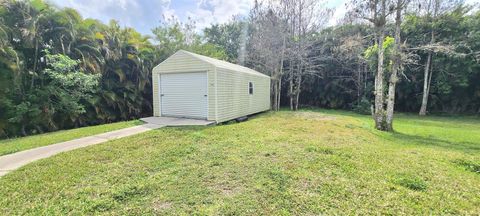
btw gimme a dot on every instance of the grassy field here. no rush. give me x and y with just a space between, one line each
284 163
10 146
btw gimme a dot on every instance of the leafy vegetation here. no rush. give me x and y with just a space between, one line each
305 162
37 38
411 182
9 146
454 86
469 165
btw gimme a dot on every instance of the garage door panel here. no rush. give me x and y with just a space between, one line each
184 94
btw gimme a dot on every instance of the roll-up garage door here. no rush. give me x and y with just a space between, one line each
184 95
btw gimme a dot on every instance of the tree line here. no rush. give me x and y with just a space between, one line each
384 56
59 70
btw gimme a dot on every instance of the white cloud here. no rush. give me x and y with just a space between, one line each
340 8
472 2
209 12
169 13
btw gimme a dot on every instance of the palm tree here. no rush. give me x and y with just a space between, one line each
125 73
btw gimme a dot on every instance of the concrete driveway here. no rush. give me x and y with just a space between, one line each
16 160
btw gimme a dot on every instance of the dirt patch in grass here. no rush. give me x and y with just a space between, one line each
228 191
159 206
314 116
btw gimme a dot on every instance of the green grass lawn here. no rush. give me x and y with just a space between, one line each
9 146
284 163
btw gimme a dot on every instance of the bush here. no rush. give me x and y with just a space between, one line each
364 107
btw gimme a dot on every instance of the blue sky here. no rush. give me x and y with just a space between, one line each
144 15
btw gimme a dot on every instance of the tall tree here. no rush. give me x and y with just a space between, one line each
397 64
305 18
267 45
433 9
229 36
376 12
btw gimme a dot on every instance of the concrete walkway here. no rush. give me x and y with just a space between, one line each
16 160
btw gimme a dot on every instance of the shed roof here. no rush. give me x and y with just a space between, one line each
224 64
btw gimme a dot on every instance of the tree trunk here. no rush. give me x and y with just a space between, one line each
296 98
63 46
22 130
279 93
297 93
428 67
279 83
34 64
379 114
298 89
395 69
430 76
391 102
426 75
290 91
274 93
358 83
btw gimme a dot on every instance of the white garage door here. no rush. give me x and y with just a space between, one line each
184 95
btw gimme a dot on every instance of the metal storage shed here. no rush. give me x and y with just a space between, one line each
195 86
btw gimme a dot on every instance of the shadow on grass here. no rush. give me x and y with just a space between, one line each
435 142
348 113
437 118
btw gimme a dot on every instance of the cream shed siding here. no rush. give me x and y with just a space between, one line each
227 85
233 96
